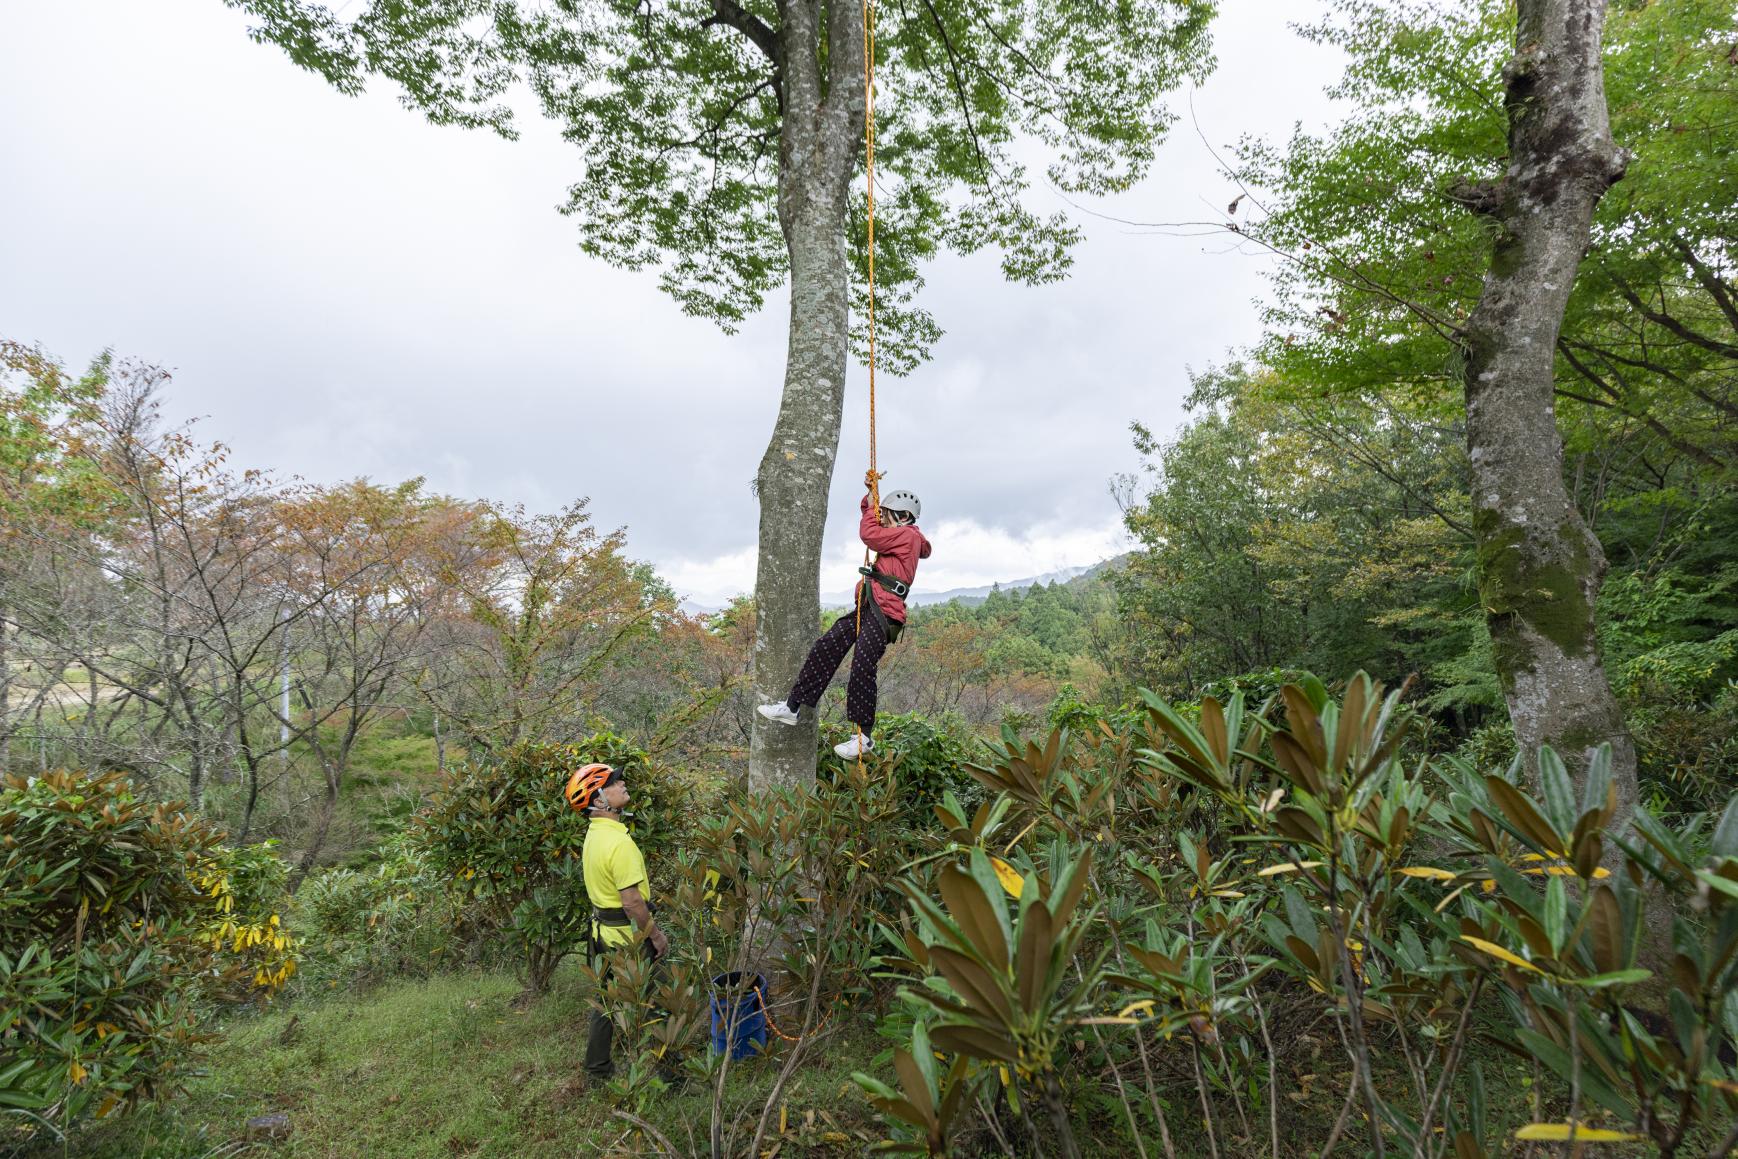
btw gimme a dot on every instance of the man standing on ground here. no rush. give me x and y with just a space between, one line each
620 895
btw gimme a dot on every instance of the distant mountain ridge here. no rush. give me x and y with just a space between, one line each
977 595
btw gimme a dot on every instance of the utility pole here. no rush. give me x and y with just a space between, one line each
284 687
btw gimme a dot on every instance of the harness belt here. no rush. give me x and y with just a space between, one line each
897 587
611 917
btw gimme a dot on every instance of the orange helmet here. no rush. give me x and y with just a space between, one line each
585 784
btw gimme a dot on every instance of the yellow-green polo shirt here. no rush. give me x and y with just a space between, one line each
612 863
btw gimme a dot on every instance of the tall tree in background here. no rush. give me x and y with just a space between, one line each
1540 566
1628 359
49 482
537 614
720 141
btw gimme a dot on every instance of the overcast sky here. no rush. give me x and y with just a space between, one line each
343 290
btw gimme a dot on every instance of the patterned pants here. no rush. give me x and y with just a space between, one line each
830 649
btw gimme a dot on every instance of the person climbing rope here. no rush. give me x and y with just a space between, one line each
620 895
890 530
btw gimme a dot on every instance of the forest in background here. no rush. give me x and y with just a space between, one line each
1196 874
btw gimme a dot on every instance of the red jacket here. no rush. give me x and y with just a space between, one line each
898 550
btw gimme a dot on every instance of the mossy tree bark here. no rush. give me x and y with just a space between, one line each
819 137
1540 566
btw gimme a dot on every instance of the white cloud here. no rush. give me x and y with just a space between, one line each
967 555
710 582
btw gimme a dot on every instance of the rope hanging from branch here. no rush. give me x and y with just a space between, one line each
873 476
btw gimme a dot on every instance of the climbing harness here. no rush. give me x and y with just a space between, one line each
896 586
890 628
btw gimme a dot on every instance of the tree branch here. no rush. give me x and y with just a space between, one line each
1671 323
729 14
1625 403
959 88
1716 286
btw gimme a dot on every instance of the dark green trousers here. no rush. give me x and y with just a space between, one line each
600 1036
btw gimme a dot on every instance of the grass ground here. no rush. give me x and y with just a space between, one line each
452 1068
449 1068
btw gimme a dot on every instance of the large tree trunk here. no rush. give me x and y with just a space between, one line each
819 137
1540 567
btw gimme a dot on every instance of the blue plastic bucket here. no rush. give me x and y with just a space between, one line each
738 1014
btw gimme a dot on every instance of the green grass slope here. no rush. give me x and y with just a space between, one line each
448 1067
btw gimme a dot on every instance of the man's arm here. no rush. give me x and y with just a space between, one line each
634 903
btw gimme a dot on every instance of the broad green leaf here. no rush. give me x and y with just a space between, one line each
1605 929
1714 881
1556 914
1213 731
974 984
1725 840
1596 781
1593 1086
977 1042
1558 790
1299 914
1524 816
1614 978
978 915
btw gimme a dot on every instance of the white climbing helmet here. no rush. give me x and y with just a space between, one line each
903 501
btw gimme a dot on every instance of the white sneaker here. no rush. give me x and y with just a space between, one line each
849 750
781 712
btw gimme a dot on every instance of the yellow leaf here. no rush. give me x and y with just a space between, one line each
76 1073
1559 1133
1287 867
1497 951
1564 871
1444 903
1429 872
1144 1006
1007 875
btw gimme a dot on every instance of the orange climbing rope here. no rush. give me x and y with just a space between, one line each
760 1000
872 477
